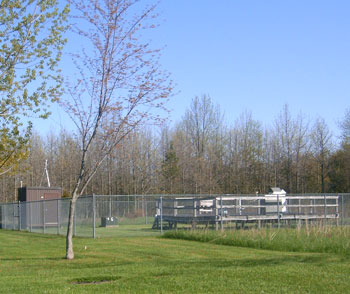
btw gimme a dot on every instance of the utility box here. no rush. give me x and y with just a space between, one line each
109 221
38 193
274 202
36 212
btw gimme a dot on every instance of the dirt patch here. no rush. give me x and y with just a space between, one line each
95 280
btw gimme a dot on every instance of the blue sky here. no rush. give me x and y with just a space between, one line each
256 56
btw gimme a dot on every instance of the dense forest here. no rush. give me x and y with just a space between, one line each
200 154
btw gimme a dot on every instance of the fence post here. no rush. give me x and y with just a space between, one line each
325 209
278 211
94 216
161 215
43 206
19 216
175 207
312 204
240 206
342 209
4 211
216 215
110 206
259 213
58 217
30 216
337 210
146 215
13 216
221 214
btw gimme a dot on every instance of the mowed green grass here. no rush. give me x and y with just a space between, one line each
33 263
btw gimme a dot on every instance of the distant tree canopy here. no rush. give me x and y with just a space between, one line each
242 158
170 170
31 41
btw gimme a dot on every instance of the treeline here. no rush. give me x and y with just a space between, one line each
201 154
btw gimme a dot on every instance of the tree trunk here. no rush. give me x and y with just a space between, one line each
69 239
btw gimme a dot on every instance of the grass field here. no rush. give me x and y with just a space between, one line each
318 239
33 263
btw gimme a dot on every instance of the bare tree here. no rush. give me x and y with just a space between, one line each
249 138
120 83
202 124
344 125
300 146
321 145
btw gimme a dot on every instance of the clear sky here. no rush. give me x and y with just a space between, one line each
256 56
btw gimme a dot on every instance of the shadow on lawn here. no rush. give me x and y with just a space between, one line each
31 258
81 262
317 260
283 260
214 262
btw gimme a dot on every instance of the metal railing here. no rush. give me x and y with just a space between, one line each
257 209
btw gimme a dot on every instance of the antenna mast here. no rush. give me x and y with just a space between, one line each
47 174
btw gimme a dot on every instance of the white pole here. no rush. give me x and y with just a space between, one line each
47 174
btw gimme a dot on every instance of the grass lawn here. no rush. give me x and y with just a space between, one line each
33 263
127 231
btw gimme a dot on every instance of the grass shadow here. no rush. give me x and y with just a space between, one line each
314 259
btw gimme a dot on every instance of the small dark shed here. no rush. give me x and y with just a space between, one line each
38 193
38 213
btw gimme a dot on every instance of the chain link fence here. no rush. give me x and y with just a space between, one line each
95 216
144 215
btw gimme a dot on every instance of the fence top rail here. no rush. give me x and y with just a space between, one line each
215 195
166 197
256 198
278 196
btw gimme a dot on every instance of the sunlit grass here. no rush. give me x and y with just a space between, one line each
34 263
